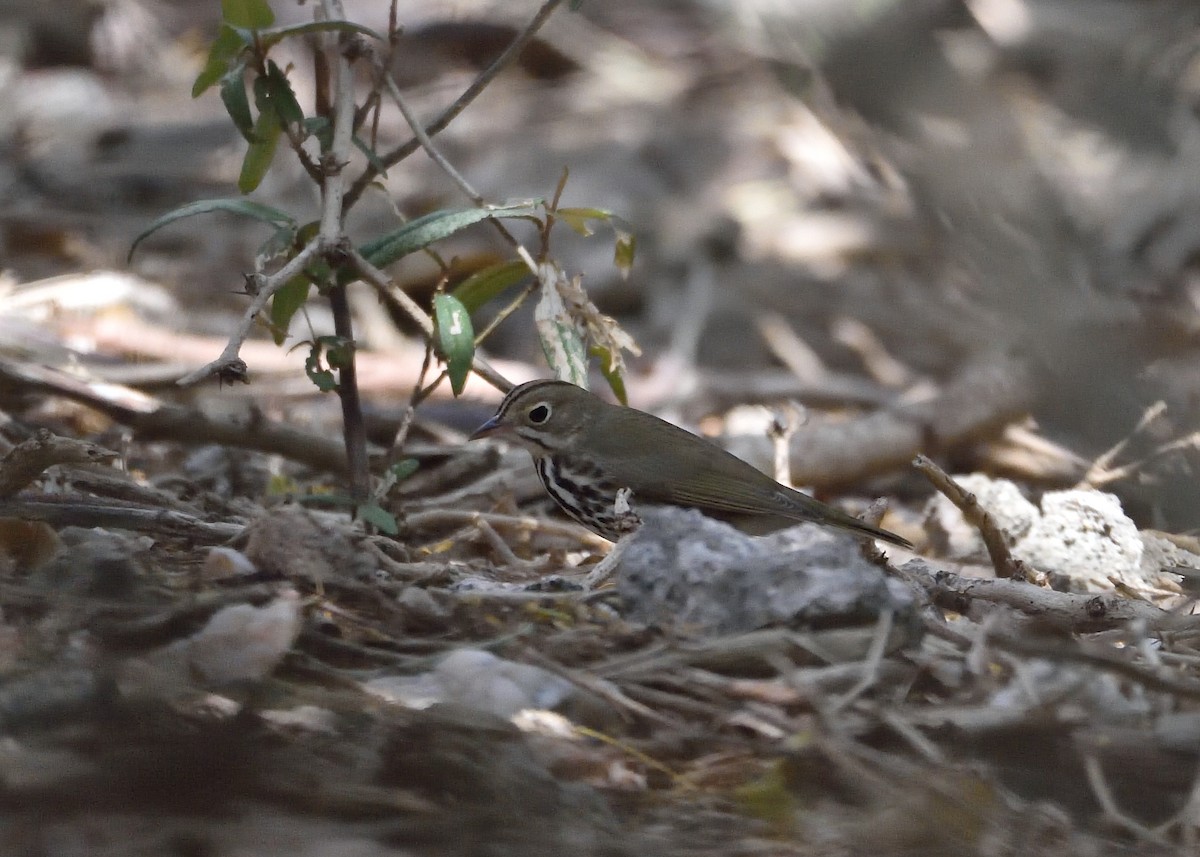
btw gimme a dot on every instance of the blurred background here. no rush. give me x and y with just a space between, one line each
982 212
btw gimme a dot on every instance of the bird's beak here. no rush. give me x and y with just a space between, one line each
487 428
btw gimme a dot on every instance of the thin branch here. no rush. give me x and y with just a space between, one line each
333 237
382 283
334 161
426 143
1004 563
480 83
267 286
455 176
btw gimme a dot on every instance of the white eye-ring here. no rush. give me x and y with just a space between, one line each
539 413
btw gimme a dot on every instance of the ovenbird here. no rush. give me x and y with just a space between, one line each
586 451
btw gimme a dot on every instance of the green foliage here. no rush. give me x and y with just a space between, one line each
337 353
378 517
237 105
282 221
229 44
403 469
265 139
285 303
456 338
420 233
251 14
490 282
273 93
569 326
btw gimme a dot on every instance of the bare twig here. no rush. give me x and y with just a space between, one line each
1113 813
152 419
381 282
1100 471
26 461
419 394
427 144
1004 563
390 159
1069 611
229 364
870 664
455 176
437 517
59 511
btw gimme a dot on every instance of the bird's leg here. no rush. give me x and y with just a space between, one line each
627 523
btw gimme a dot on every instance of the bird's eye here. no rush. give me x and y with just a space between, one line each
538 414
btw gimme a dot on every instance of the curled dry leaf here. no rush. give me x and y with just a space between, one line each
570 325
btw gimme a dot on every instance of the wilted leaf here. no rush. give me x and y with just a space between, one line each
456 338
566 318
612 367
580 219
487 283
623 250
265 213
560 338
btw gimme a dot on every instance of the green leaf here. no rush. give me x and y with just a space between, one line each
270 38
456 338
256 210
403 469
339 352
420 233
321 128
284 242
487 283
261 152
229 43
611 370
372 157
316 372
252 14
378 517
284 304
237 105
278 91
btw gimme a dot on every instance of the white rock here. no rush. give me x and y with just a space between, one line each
1085 536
